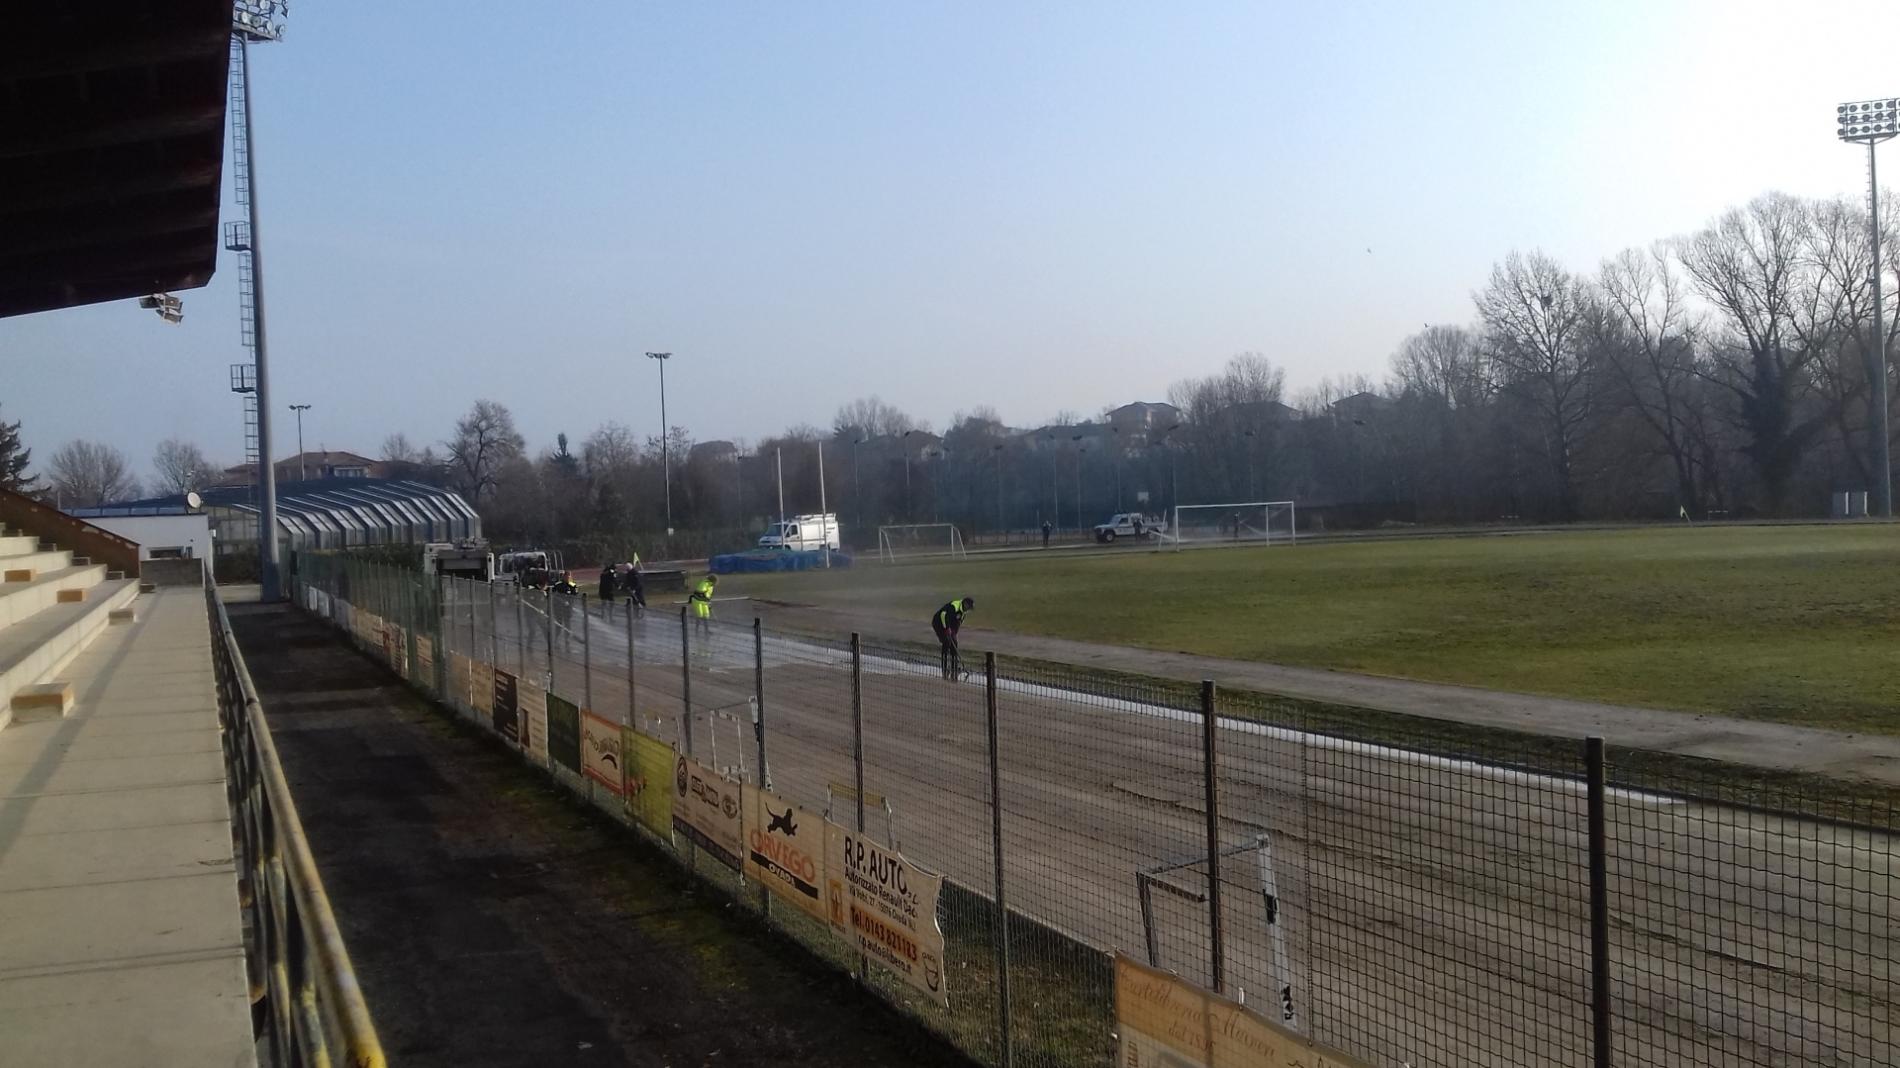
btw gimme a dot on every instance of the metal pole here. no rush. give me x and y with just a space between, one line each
1210 770
996 843
587 657
1877 352
302 474
267 557
547 627
521 638
1599 907
758 700
494 628
824 509
857 720
686 685
633 710
857 751
778 457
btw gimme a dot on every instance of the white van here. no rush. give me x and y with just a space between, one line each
804 533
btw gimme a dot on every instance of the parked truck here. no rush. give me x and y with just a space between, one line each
804 533
1130 525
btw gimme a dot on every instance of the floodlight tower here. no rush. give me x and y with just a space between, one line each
253 20
1869 122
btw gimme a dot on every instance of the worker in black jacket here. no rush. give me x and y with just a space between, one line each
947 621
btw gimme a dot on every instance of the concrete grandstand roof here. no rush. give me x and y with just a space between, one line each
111 149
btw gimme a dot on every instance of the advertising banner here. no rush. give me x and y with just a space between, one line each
481 688
1166 1022
533 722
886 907
564 733
502 706
603 752
649 779
708 810
457 691
785 850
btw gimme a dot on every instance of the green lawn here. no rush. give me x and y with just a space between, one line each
1792 623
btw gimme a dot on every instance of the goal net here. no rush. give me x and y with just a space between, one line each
1251 522
918 539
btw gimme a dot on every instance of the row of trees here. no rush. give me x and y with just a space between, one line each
1724 372
86 473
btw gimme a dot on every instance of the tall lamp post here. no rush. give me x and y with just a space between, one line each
1251 491
857 487
1870 122
907 513
998 450
1174 470
1081 450
300 409
666 466
1055 486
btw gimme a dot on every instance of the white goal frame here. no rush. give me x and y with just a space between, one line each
1246 534
887 547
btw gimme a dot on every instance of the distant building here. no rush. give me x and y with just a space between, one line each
1359 408
311 466
334 513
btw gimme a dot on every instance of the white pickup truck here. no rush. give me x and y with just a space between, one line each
1130 525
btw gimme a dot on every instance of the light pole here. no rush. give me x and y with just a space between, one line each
998 450
857 487
1870 122
906 446
738 478
253 21
1174 472
1251 492
300 409
1055 486
1081 450
666 466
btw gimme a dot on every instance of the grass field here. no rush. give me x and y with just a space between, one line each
1793 623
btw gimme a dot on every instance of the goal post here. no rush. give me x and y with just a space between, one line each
918 539
1249 522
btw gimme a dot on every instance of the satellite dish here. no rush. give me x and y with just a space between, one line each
193 500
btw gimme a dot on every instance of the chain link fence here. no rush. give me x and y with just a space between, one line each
1403 890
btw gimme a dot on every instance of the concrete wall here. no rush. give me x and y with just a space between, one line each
191 532
172 572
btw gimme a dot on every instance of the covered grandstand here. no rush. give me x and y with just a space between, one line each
330 513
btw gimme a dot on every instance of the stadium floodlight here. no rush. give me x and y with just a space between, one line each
302 475
666 468
168 307
1869 122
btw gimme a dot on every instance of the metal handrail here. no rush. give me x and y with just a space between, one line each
304 993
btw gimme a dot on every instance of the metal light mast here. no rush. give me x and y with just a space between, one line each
253 20
1869 122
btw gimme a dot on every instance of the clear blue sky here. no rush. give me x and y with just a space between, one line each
1036 206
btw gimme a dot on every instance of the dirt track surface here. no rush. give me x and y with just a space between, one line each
491 923
1778 746
1433 912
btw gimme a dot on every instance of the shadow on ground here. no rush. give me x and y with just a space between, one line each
492 922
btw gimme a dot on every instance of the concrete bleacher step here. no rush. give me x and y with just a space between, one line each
37 647
17 544
42 701
22 600
24 567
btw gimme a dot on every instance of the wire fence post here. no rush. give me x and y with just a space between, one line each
587 657
547 629
857 754
996 844
633 707
521 636
470 598
1599 907
1210 769
686 683
494 626
758 730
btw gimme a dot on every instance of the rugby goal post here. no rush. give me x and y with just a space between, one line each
1257 522
918 539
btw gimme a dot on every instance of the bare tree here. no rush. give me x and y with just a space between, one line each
1645 334
397 449
611 450
1533 313
180 467
485 439
1751 264
1442 364
88 474
870 417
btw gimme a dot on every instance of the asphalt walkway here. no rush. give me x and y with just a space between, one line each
121 941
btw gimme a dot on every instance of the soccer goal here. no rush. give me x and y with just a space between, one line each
1252 522
918 539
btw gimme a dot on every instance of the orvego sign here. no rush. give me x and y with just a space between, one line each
785 850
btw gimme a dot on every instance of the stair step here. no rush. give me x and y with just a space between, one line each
46 700
21 600
17 545
22 567
70 595
36 647
122 615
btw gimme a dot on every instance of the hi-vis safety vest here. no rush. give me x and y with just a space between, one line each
702 598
